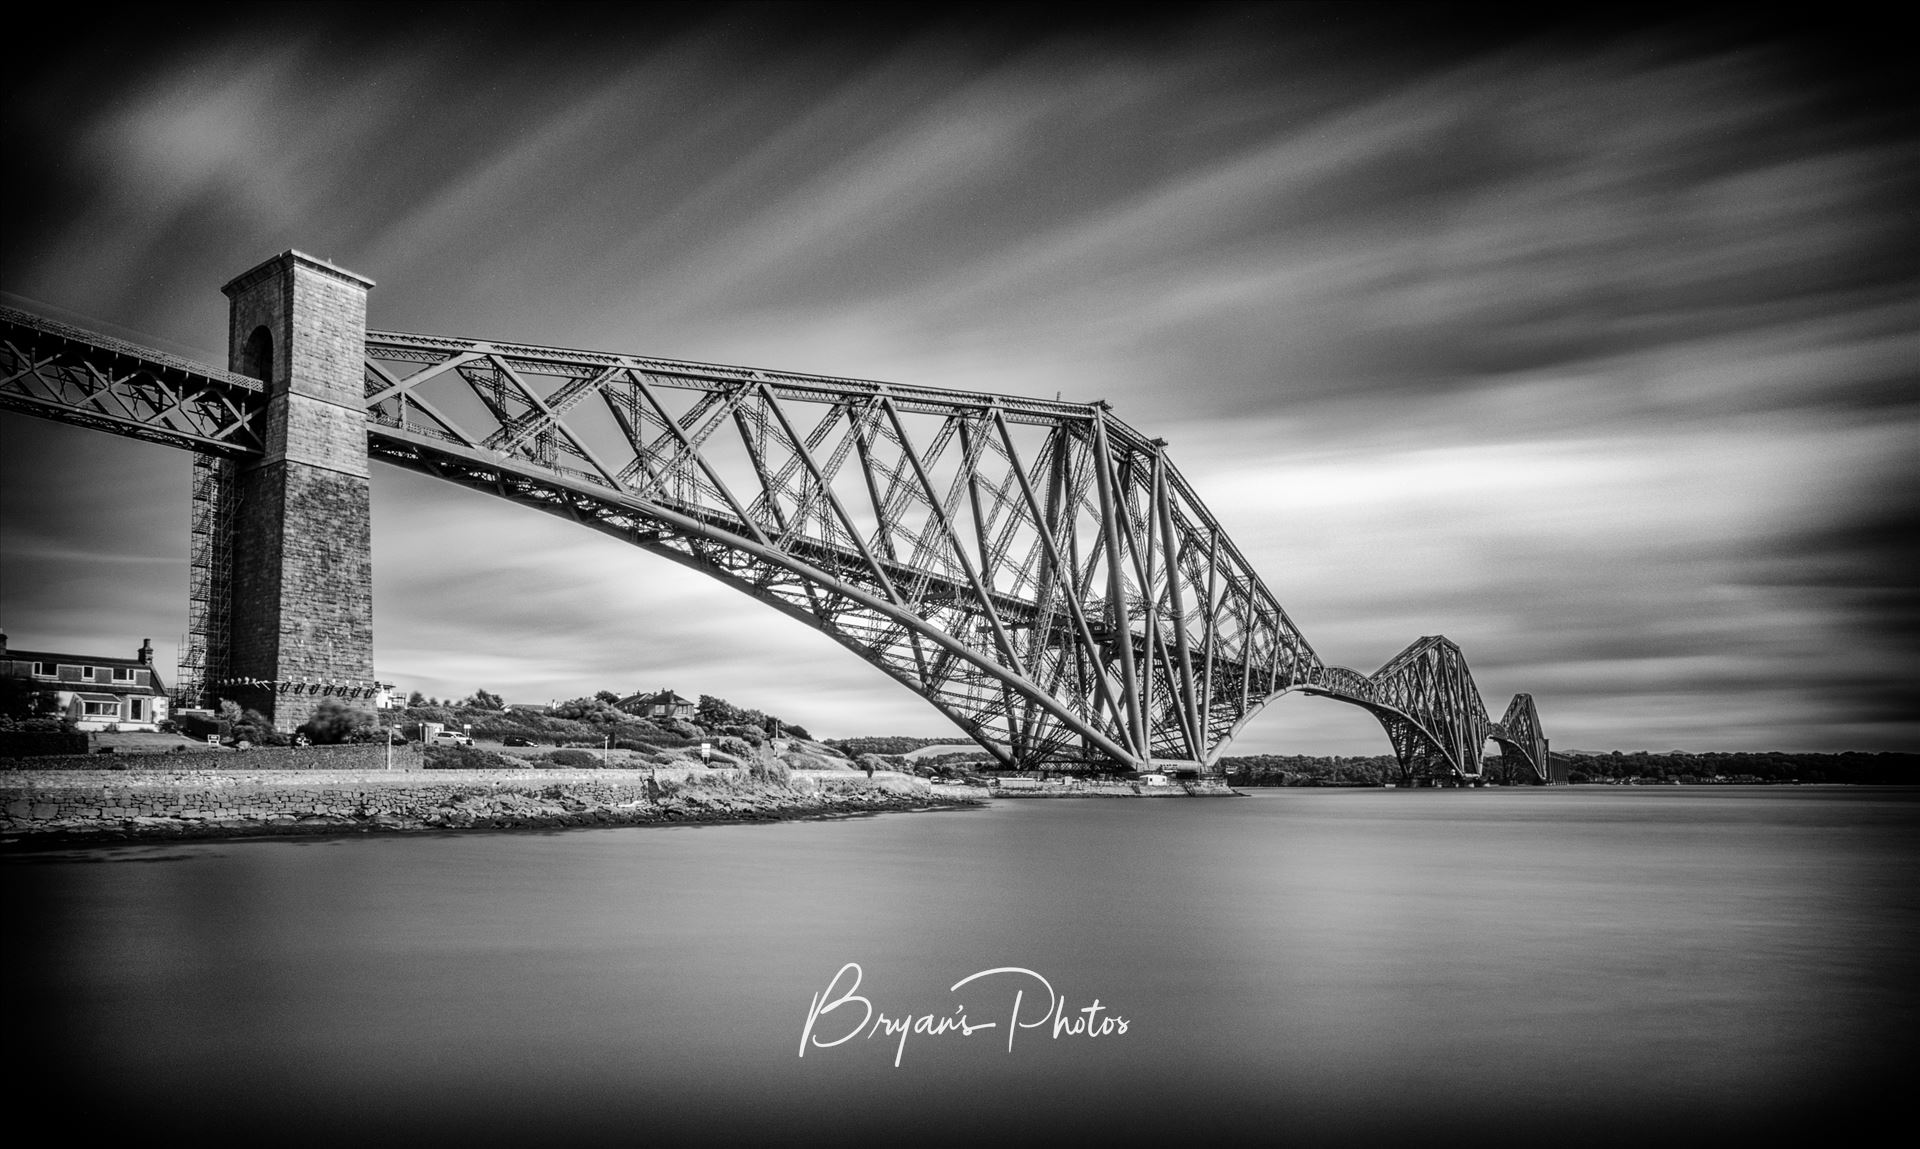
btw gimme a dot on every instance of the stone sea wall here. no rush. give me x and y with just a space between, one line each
59 806
353 756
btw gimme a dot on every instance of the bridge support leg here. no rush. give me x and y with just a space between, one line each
301 609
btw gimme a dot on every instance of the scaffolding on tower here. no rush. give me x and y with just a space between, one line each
204 656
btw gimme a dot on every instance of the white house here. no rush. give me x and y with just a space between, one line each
97 691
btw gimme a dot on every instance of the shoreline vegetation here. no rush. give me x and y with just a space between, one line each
598 762
662 729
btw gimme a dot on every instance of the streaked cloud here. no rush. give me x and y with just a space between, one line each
1590 346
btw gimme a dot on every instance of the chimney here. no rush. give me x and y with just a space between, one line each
146 652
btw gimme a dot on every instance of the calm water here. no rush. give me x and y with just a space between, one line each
1350 967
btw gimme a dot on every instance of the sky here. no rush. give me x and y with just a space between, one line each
1593 345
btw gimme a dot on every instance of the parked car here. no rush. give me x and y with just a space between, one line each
449 738
516 740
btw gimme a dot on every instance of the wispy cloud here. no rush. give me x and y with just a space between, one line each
1595 354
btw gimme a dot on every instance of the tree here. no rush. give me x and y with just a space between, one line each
484 700
715 712
416 699
28 706
333 721
606 696
590 710
21 698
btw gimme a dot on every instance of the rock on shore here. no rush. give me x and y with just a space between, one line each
58 807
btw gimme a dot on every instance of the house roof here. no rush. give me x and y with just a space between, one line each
663 697
73 659
104 689
158 685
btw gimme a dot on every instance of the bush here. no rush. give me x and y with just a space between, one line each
41 743
586 758
769 771
198 727
594 710
334 722
254 727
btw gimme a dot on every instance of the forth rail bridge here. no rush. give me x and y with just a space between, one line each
1037 570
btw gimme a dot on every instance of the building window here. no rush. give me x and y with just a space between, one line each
137 709
122 674
45 670
102 709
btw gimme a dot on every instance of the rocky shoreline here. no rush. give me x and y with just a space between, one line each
58 809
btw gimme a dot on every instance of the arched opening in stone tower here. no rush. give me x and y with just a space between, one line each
256 359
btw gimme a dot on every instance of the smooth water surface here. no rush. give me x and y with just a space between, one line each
1356 967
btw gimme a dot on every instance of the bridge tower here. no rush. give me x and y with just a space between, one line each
299 600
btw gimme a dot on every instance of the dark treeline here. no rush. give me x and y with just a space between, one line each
1306 770
1766 766
1615 766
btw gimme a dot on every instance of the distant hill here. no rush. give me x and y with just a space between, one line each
886 744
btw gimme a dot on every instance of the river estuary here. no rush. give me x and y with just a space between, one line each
1350 967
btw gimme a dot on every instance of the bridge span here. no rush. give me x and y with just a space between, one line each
1037 570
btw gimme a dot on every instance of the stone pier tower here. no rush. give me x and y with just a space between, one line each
300 618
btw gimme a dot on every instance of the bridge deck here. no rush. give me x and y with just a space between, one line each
73 375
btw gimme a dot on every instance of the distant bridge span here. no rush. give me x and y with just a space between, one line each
1037 570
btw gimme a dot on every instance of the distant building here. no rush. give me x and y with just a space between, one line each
665 704
97 691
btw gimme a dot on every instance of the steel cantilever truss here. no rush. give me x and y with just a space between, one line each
1431 709
1039 571
1425 698
1521 739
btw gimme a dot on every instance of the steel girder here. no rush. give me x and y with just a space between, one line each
1039 571
75 376
1520 737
